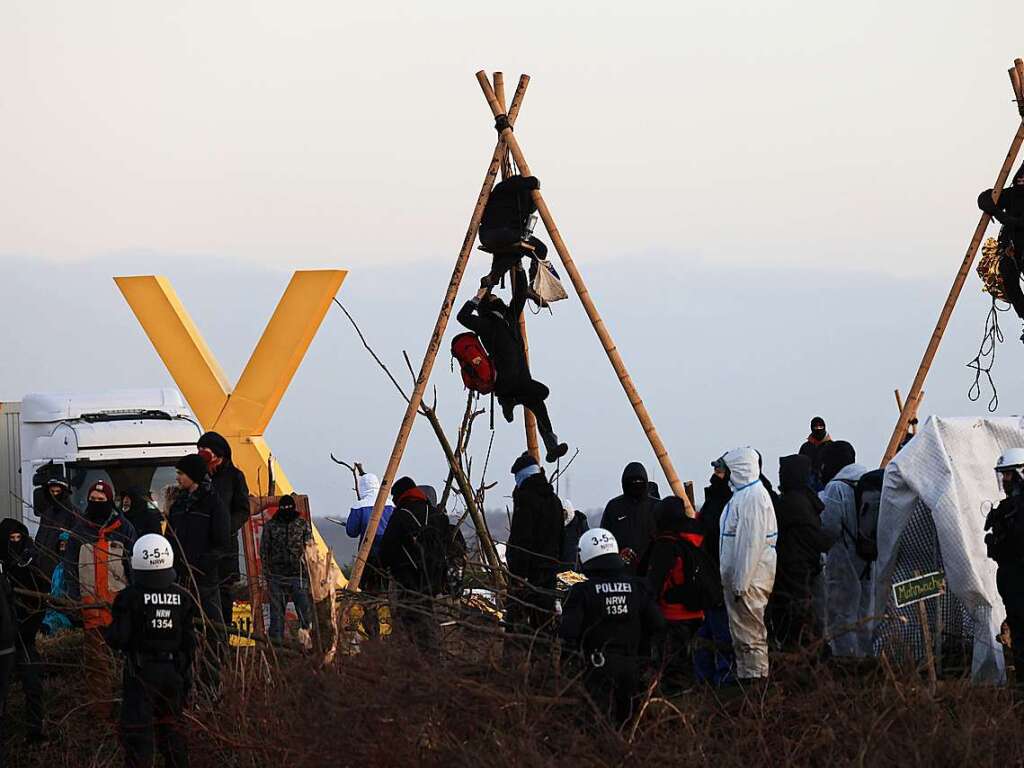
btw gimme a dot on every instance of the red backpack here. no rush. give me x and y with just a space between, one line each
478 372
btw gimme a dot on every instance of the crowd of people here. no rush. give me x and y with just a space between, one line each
699 596
152 585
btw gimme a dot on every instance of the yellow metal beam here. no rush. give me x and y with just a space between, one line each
243 415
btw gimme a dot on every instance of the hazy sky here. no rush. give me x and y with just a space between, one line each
768 199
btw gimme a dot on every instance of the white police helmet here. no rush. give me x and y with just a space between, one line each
1011 461
597 542
152 552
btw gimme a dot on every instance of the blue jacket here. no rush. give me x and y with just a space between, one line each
367 486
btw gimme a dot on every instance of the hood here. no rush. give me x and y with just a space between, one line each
835 456
634 480
670 513
8 526
743 467
794 472
851 472
431 493
216 443
367 486
1018 177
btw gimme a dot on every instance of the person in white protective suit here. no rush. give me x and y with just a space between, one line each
849 580
747 542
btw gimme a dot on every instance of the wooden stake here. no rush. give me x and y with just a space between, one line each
1018 65
529 420
660 451
1015 83
899 400
913 397
431 355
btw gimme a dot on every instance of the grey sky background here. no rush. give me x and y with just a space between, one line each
767 200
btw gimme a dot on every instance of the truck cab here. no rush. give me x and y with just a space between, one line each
130 438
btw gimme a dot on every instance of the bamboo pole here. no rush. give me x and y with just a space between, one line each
660 451
431 355
529 420
913 396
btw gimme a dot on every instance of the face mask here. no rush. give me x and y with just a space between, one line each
99 511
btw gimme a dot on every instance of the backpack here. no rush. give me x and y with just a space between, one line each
478 372
701 585
867 494
429 550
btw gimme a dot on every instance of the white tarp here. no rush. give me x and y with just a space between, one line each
948 467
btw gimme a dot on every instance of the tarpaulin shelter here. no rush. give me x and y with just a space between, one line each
937 491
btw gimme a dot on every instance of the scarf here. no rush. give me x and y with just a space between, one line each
526 472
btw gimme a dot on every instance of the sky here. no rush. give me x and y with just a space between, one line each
768 203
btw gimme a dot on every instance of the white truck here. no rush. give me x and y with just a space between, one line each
130 438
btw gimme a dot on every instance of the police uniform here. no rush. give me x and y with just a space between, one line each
153 625
607 620
1005 543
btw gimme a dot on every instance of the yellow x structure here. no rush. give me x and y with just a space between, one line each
241 415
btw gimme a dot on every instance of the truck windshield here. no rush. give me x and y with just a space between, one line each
148 477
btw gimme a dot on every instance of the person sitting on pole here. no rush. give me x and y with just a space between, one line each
497 324
1009 212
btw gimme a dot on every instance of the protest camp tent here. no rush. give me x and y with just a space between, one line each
936 494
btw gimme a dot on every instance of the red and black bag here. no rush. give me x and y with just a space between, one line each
478 372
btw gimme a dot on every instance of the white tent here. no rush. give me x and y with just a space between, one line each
936 494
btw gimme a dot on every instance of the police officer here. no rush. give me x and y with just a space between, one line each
153 625
606 620
1005 544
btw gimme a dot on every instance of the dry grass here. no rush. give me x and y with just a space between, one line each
390 706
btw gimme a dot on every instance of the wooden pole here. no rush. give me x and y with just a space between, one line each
660 451
529 420
899 401
431 354
1018 65
913 397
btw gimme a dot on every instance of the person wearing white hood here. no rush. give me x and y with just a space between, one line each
849 580
375 580
747 543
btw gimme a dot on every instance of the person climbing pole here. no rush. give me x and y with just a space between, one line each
497 324
1009 212
505 225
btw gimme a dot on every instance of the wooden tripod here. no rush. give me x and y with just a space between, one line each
909 409
507 140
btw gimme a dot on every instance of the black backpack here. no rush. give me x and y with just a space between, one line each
867 494
429 550
702 583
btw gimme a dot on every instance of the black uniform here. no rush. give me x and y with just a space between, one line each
56 514
1009 212
153 624
630 517
607 620
1005 544
497 325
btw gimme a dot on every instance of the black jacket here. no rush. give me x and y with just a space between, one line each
801 538
497 325
400 550
150 617
198 527
143 514
1009 212
537 532
8 617
716 497
571 534
1005 532
23 573
612 612
56 515
630 517
510 203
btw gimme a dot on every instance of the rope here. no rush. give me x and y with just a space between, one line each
985 360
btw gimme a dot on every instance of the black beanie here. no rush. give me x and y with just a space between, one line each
286 502
214 441
401 487
524 461
193 466
817 421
